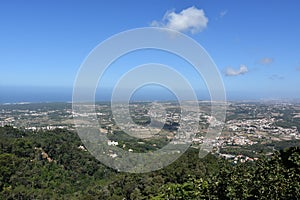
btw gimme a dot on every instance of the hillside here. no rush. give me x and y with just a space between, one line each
54 165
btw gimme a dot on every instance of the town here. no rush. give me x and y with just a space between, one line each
247 125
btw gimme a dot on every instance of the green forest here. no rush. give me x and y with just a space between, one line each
49 165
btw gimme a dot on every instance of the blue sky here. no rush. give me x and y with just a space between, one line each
254 43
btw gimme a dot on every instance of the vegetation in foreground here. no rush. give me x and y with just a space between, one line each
49 165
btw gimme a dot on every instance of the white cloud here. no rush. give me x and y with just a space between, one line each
276 77
266 61
223 13
229 71
188 20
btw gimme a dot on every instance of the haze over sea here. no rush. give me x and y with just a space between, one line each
59 94
64 94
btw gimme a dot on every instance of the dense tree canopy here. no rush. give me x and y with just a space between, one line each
49 165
